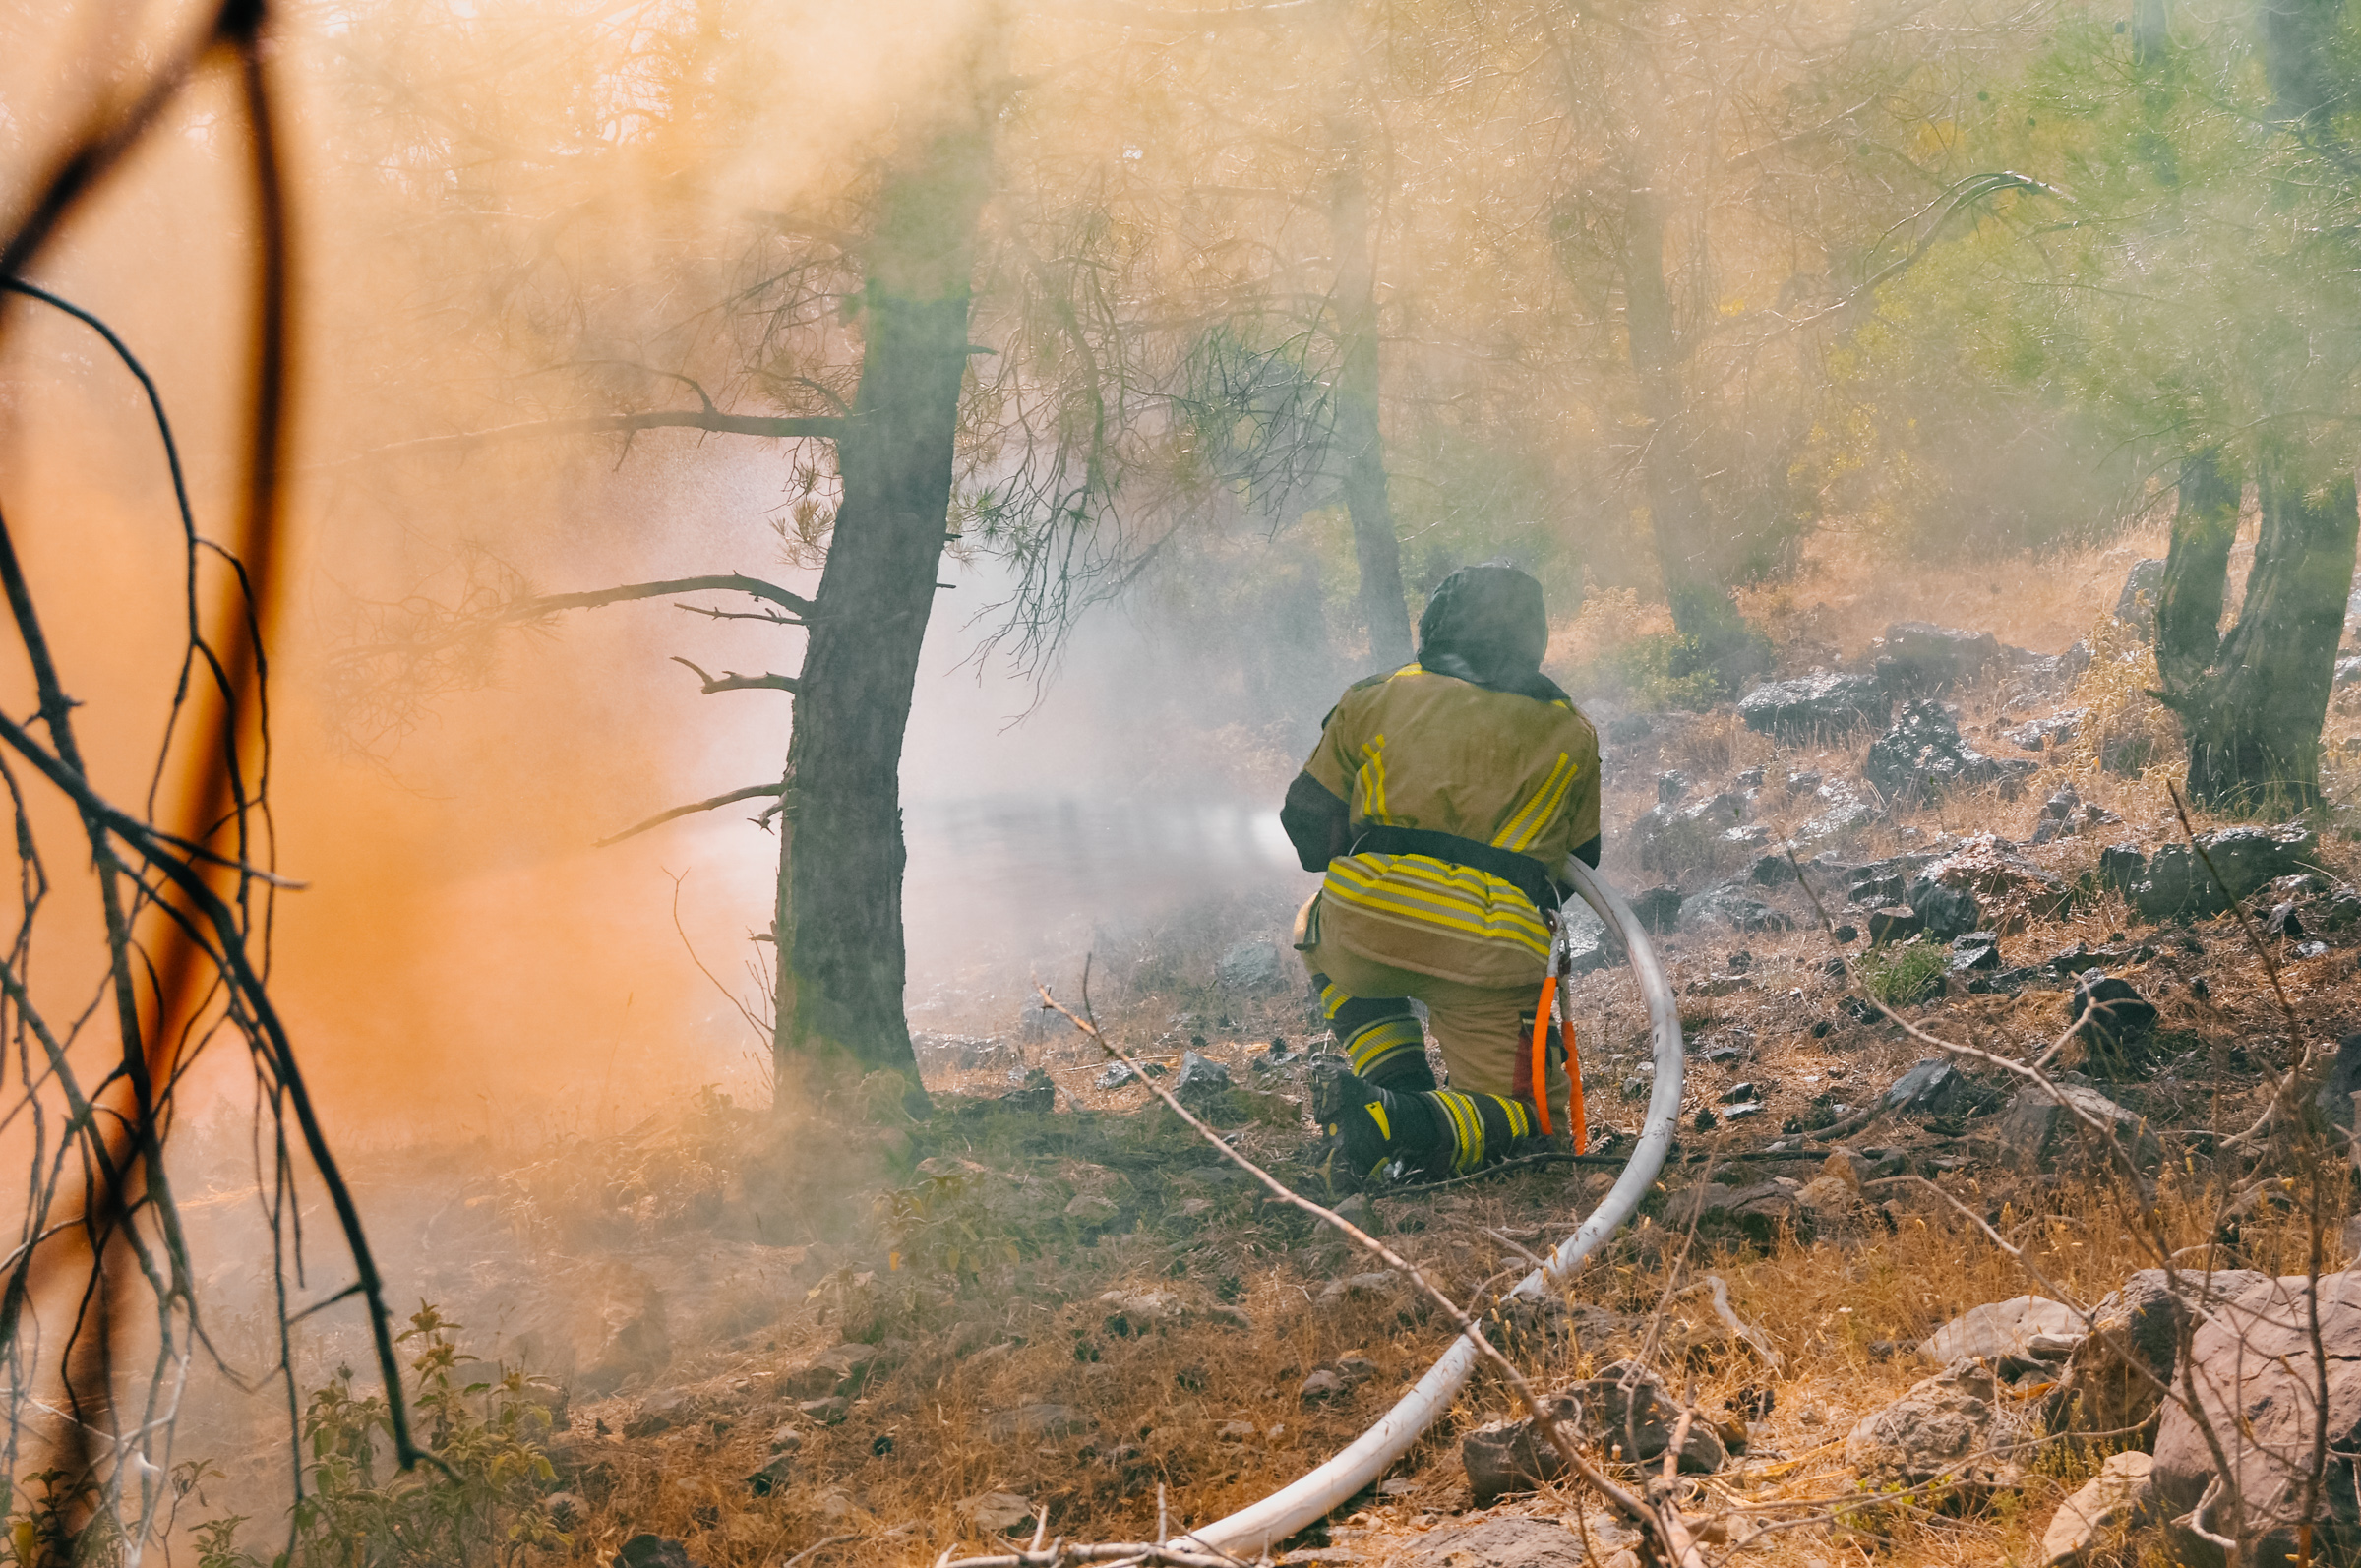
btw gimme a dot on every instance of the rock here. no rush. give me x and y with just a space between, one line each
774 1477
1588 945
2108 1014
1915 660
1820 704
1628 1408
786 1438
2001 1329
1200 1079
2175 881
996 1512
1924 754
1757 1212
1236 1432
2036 675
1893 924
1738 1094
1731 905
2254 1373
829 1411
1975 950
1670 786
1378 1284
1322 1384
1354 1368
2140 1326
1944 1430
1091 1208
1505 1542
1657 909
1037 1097
2136 605
942 1052
1843 809
655 1551
1671 833
1991 868
1943 911
2059 728
1033 1423
2038 1133
2109 1504
1250 966
1114 1078
1927 1088
2335 1097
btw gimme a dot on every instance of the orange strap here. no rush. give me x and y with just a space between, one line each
1574 1107
1540 1050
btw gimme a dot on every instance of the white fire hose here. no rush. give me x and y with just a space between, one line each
1251 1531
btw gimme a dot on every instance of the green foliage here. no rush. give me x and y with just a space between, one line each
944 1224
1904 975
480 1502
1655 671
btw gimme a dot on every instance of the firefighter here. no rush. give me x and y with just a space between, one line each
1437 803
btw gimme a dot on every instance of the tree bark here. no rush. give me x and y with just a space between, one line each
2252 711
1687 553
842 960
1360 440
2197 570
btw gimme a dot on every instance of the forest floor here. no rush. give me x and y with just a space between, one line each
1053 1302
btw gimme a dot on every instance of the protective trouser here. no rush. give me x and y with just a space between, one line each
1388 1106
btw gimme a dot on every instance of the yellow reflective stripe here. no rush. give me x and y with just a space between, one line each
1373 780
1332 998
1376 1110
1519 1125
1382 1039
1466 1125
1527 824
1407 669
1426 890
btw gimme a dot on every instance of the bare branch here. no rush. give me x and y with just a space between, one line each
751 792
825 427
731 681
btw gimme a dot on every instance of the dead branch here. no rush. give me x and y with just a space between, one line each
751 792
731 681
1664 1522
822 425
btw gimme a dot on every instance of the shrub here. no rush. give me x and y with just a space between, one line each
1904 975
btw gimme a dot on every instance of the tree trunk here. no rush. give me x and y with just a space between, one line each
2252 713
842 963
1687 552
2196 572
1358 438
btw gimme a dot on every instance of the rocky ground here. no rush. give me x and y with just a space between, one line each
1900 1290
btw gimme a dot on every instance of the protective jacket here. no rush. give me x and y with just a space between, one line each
1438 802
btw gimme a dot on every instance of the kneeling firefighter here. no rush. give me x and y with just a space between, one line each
1437 803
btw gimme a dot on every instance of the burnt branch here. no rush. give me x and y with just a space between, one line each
825 427
749 793
731 681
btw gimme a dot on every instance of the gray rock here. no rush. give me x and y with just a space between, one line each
1091 1208
1114 1078
1915 660
1820 704
1928 1088
1250 966
2176 882
2040 1133
2335 1097
1731 904
2059 728
2136 605
655 1551
2137 1327
1944 1430
1200 1079
2001 1329
1924 754
1758 1211
1944 912
2108 1013
1507 1543
1974 950
2110 1503
1628 1408
2253 1373
1657 908
1322 1384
